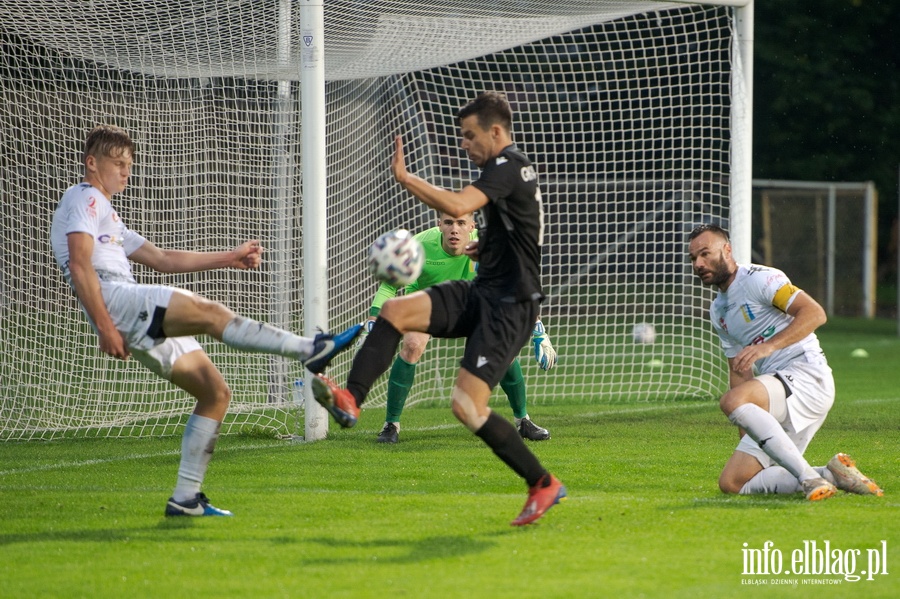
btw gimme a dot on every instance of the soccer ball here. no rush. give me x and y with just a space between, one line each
643 332
396 258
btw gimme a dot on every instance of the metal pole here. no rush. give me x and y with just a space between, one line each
741 188
830 232
315 252
870 255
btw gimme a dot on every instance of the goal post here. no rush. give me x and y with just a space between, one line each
628 110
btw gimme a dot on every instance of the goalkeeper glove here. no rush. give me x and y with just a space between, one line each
543 349
367 328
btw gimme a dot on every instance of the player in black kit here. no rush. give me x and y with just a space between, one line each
494 312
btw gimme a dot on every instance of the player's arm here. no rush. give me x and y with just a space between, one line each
808 315
455 203
736 377
247 255
87 289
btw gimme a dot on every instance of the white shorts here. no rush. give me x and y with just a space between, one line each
137 312
803 412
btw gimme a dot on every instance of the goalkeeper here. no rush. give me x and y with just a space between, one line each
445 260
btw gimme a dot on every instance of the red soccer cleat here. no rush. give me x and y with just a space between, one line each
540 499
339 402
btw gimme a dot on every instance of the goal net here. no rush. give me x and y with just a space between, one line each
623 107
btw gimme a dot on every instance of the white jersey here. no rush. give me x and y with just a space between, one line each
84 209
753 309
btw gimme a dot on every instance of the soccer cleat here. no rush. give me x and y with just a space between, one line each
339 402
529 430
817 488
198 506
540 499
327 345
848 477
389 434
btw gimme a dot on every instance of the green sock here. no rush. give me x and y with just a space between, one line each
402 375
513 384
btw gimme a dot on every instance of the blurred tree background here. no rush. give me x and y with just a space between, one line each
827 102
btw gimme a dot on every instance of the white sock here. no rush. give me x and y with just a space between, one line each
252 336
776 479
765 430
773 479
825 473
197 445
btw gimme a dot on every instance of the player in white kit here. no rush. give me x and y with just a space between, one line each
155 323
781 387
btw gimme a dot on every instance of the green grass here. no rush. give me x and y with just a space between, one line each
430 516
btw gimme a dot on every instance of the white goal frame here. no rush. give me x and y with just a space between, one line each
671 81
316 422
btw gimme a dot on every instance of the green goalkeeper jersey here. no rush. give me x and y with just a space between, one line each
439 267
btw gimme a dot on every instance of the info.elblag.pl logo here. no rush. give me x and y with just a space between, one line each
828 564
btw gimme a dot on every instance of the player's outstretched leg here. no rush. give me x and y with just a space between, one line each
327 345
848 477
546 493
339 402
198 506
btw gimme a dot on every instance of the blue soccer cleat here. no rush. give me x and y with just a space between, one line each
198 506
327 345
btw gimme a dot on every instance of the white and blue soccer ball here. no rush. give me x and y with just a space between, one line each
396 258
644 332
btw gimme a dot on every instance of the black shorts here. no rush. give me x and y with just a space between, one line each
495 331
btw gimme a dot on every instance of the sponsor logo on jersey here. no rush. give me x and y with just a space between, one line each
747 311
501 160
765 335
528 173
113 239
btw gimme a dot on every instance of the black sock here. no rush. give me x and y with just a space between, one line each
505 441
373 359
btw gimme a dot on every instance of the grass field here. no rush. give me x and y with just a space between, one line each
430 516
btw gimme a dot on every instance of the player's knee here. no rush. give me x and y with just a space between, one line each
465 410
215 402
731 401
728 484
413 348
458 410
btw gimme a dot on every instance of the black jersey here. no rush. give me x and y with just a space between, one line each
511 228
